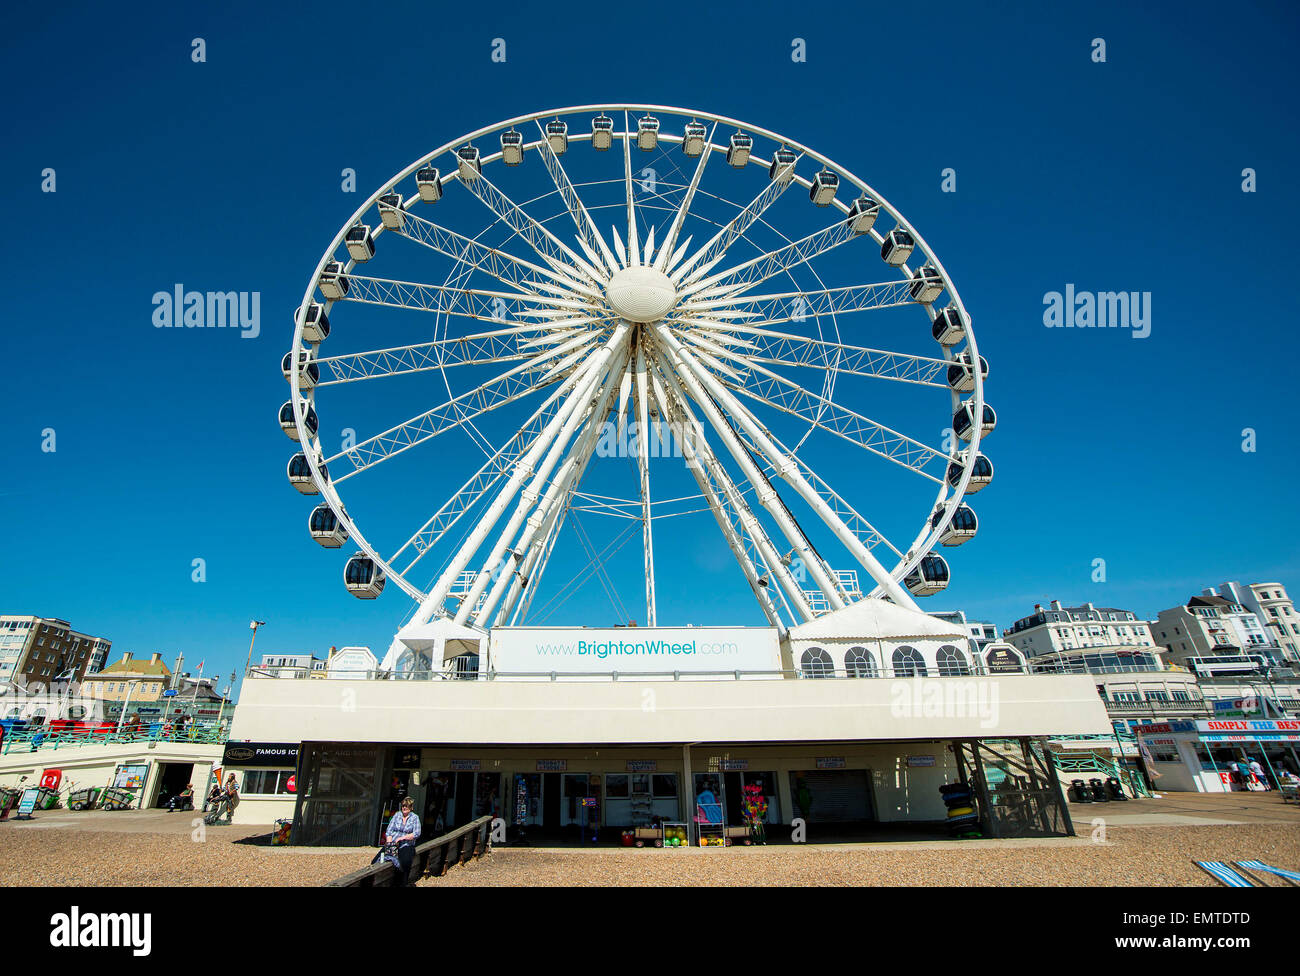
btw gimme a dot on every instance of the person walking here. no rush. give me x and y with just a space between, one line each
232 798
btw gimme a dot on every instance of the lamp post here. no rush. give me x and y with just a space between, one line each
254 624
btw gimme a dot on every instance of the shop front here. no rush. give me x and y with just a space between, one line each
1198 757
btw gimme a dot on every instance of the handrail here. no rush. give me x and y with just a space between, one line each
38 737
432 857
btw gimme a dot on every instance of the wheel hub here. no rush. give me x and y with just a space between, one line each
641 294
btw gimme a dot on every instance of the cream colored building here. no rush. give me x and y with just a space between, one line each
860 713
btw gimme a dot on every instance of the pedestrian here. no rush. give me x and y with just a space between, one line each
232 798
403 831
1257 771
214 796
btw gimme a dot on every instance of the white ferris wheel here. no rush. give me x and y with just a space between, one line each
704 295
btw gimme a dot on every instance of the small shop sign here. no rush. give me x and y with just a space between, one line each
734 765
248 755
915 761
552 765
642 766
27 805
830 762
465 765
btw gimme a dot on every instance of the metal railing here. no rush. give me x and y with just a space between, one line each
433 857
34 738
727 675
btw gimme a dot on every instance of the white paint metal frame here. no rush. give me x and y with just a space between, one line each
551 324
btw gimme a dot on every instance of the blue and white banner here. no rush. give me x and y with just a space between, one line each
628 650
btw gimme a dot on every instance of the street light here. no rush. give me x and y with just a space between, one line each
254 624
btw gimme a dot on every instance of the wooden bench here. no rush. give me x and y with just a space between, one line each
432 857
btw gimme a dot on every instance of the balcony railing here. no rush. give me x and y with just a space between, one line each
730 675
35 737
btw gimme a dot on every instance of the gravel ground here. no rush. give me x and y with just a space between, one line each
53 857
153 849
1159 856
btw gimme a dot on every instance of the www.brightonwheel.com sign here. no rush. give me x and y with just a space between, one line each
527 650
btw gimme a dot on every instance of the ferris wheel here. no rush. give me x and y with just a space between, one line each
526 295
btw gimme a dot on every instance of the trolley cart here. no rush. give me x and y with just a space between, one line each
46 798
84 799
116 798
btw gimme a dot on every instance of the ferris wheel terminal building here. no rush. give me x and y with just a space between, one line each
642 720
535 283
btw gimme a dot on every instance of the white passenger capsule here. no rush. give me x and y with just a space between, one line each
360 242
739 149
326 528
289 427
363 578
428 181
602 132
930 576
333 284
897 247
512 147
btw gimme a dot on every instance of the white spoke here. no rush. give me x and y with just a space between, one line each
781 349
432 531
789 397
761 311
759 269
595 244
558 254
473 350
707 256
496 263
745 536
473 303
631 192
503 389
670 238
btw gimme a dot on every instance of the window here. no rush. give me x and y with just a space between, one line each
816 663
664 786
267 782
616 786
908 663
859 663
952 663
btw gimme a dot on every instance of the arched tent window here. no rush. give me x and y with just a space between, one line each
908 663
14 712
952 662
816 663
38 717
859 663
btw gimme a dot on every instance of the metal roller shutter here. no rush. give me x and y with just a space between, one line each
839 796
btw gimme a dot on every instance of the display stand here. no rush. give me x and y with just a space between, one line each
673 835
710 828
589 813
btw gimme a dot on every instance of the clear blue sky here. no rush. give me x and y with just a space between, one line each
225 175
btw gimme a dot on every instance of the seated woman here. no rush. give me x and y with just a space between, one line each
403 831
184 800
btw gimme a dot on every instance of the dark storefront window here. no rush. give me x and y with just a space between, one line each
338 794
